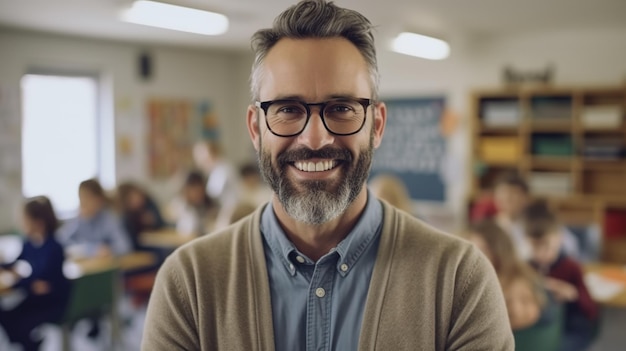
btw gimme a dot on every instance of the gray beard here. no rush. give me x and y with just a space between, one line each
318 202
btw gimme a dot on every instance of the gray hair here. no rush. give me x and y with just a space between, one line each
316 19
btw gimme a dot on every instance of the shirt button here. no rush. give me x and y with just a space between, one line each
291 267
320 292
300 259
344 267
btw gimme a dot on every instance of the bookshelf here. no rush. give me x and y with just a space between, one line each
568 142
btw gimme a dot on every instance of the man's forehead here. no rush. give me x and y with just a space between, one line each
329 66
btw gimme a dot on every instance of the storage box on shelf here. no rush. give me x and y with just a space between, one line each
569 143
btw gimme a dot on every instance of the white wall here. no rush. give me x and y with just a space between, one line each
177 72
581 56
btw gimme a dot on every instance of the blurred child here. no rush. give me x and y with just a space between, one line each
38 271
511 196
391 189
563 276
97 231
253 192
138 210
253 189
525 299
194 212
222 183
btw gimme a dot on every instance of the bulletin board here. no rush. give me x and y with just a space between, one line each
413 147
174 125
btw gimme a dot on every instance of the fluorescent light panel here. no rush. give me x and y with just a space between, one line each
421 46
157 14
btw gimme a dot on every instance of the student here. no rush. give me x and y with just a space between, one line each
45 287
391 189
222 182
138 210
511 196
324 265
97 231
253 189
563 276
194 212
524 296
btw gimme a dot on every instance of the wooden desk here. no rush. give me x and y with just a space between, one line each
165 239
612 272
128 262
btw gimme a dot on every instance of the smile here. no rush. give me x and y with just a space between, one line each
319 166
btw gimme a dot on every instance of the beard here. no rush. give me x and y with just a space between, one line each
317 201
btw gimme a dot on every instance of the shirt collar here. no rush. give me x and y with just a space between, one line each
349 249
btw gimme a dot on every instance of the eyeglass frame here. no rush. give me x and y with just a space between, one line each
264 105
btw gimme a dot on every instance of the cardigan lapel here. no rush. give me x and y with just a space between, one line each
260 284
380 279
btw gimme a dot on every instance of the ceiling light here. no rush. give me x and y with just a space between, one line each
157 14
421 46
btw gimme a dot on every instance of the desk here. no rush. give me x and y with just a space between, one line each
613 273
128 262
164 239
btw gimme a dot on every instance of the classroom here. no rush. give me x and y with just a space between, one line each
124 145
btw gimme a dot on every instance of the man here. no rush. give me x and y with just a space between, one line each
324 266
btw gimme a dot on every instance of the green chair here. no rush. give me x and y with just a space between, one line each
543 336
92 295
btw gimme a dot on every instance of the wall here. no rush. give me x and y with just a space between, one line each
580 56
178 72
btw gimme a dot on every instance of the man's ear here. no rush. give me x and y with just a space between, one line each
380 121
252 121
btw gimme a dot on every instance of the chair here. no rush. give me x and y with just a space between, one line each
92 295
543 335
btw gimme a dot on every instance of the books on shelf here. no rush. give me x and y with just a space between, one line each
500 113
551 108
552 145
551 183
604 149
603 116
500 149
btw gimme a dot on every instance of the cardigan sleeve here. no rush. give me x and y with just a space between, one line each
479 318
170 324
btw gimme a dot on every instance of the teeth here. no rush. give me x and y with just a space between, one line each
315 166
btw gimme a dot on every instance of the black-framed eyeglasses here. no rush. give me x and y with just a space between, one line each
342 116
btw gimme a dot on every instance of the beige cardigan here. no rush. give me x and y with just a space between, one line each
429 291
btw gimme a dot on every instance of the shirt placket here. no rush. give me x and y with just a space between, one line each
318 322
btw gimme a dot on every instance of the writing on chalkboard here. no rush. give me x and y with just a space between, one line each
413 147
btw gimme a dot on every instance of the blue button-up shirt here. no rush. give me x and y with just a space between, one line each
319 305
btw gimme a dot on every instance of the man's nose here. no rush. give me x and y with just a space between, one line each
315 135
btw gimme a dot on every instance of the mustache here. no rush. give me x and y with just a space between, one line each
306 153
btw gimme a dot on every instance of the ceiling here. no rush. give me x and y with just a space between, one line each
442 18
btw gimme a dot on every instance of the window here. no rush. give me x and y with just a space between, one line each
61 139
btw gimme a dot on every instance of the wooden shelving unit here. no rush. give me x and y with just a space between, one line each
569 143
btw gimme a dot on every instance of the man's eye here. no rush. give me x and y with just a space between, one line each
339 109
289 109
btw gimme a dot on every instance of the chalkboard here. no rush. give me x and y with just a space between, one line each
413 147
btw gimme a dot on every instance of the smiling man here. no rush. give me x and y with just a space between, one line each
324 265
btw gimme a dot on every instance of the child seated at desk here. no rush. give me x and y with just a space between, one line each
139 211
97 231
38 272
525 300
194 212
511 196
563 276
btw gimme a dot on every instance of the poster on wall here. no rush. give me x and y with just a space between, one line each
413 147
174 125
